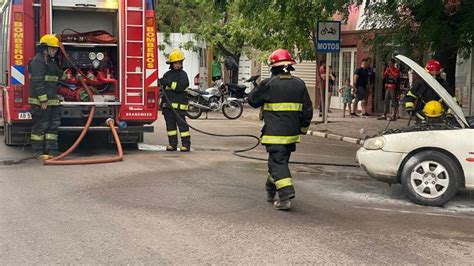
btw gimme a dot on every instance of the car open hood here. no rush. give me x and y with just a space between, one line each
438 88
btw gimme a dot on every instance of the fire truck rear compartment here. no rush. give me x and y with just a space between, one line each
97 60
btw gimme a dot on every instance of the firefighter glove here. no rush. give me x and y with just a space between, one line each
165 82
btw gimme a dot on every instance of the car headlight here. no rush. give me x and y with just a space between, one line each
374 143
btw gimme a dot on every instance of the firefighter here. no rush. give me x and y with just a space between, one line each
46 117
421 93
175 83
433 112
287 113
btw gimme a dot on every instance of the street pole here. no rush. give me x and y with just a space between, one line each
326 88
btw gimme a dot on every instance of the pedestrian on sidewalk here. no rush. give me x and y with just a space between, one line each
287 113
332 82
391 77
347 92
361 84
322 87
216 69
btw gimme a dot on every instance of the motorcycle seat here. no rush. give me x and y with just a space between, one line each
236 86
199 91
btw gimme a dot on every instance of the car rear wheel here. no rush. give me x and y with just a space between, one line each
430 178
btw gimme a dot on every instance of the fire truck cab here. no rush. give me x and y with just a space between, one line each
114 43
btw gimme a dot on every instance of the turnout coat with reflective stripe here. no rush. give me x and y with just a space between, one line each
177 90
287 108
44 77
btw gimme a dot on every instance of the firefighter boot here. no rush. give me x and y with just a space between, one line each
271 189
282 205
185 149
271 196
170 148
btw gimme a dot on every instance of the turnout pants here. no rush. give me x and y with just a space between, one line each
279 176
173 123
44 131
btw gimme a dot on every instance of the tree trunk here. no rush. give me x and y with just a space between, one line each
234 74
447 58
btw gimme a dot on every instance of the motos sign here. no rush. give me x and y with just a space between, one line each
328 39
329 47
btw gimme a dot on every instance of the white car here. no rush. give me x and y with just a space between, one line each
430 161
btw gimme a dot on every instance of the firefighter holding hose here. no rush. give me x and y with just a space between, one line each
175 82
287 112
46 117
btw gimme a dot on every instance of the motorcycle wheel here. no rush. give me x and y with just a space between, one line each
232 110
194 112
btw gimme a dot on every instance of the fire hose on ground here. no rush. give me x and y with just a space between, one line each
238 152
110 122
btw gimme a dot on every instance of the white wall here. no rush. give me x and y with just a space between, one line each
191 62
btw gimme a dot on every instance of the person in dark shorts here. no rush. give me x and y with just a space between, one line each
361 82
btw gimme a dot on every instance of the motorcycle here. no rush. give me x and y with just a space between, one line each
239 91
213 99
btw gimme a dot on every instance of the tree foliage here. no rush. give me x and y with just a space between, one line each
443 27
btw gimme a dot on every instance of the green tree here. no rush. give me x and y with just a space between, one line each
235 26
443 27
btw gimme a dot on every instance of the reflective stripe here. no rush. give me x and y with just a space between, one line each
179 106
184 134
283 107
420 116
37 137
53 102
37 102
409 105
411 94
43 98
173 85
51 78
284 182
172 133
50 136
280 139
304 130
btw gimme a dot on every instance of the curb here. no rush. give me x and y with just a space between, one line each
335 137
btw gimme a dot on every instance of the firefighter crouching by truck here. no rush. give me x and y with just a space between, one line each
175 82
287 113
421 98
45 110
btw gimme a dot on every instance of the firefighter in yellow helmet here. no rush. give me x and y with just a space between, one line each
44 76
433 111
175 82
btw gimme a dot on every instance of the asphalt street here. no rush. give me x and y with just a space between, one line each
208 206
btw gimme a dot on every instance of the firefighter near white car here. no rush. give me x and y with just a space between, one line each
431 160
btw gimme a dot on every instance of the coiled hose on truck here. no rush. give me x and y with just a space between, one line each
238 152
110 122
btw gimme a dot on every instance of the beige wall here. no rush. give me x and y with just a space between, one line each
305 70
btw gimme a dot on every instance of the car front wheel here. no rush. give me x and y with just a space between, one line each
430 178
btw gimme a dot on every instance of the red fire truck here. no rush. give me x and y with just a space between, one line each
114 43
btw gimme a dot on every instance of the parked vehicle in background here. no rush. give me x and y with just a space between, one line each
241 91
213 99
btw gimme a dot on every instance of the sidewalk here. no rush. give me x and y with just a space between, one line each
353 130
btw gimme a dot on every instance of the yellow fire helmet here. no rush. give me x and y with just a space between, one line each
50 40
433 109
175 56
